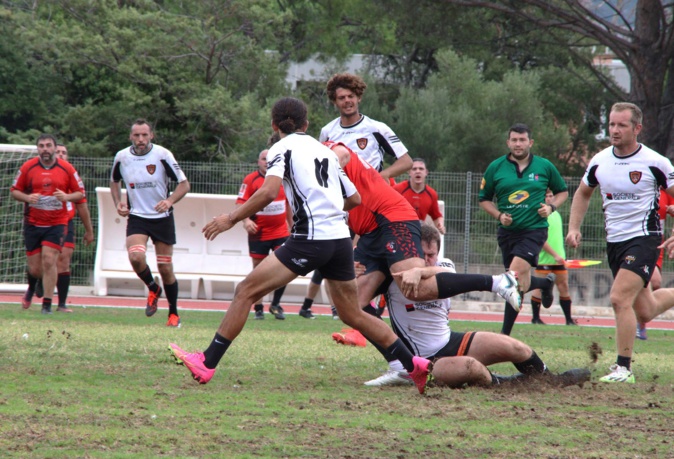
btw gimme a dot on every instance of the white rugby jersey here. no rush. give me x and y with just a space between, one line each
629 188
370 139
423 324
314 184
146 178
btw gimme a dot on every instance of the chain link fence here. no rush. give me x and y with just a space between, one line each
470 240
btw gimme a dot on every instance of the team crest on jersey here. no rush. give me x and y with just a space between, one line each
635 177
629 259
151 168
518 196
362 143
391 246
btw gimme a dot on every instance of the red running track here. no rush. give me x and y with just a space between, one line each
206 305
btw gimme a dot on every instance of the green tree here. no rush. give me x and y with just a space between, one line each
459 121
639 32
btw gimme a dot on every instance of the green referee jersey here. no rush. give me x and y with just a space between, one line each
520 194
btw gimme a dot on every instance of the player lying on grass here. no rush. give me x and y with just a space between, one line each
390 240
459 358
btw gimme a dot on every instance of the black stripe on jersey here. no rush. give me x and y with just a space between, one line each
169 170
592 176
660 177
301 219
117 172
384 146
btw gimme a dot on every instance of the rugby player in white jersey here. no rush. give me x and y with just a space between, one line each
459 358
629 176
369 139
319 193
146 170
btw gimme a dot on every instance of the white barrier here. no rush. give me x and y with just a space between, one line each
204 269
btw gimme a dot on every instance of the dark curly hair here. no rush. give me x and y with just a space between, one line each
348 81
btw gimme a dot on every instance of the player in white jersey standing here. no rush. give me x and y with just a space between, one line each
460 358
368 138
146 169
629 176
319 193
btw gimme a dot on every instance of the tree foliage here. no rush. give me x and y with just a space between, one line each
639 32
448 79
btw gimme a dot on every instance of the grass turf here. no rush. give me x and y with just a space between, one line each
101 383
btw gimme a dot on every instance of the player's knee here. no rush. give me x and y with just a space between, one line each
136 254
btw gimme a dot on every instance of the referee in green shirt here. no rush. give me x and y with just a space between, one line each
518 182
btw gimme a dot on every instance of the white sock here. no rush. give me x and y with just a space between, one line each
396 366
495 280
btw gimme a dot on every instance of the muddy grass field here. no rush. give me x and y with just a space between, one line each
101 383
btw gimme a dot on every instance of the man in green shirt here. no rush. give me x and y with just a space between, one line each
552 260
518 182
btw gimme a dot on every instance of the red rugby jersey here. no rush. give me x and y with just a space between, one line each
271 221
380 203
424 202
33 177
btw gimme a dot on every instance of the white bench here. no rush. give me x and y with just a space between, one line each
204 269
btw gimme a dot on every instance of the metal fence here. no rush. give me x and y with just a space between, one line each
470 240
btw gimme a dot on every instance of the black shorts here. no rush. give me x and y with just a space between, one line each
35 237
333 258
389 244
69 241
639 255
525 244
260 249
458 345
158 229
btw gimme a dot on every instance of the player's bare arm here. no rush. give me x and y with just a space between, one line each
399 166
352 201
410 279
85 216
504 218
20 196
181 190
258 201
547 209
116 193
72 197
579 206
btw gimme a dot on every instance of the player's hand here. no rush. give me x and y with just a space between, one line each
573 238
250 226
359 267
34 198
670 210
122 210
545 210
441 227
506 219
88 237
560 261
163 206
408 281
60 195
218 225
668 247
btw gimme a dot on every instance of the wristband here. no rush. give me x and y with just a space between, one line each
553 207
501 213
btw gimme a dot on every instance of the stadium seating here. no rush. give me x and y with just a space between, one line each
204 269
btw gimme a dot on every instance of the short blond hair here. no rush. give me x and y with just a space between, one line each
637 115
